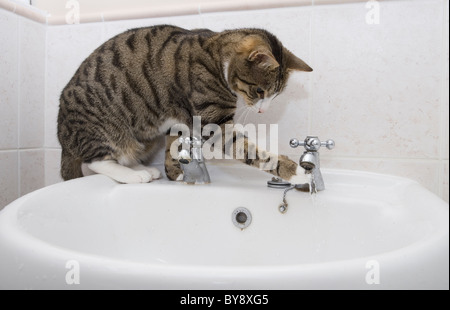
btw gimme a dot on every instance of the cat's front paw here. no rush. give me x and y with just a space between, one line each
173 172
155 173
136 177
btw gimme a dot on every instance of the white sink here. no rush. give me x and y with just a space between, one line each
365 231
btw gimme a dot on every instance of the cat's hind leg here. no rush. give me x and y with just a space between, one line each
121 174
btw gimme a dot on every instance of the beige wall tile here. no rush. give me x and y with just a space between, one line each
32 171
52 166
32 84
376 87
9 177
9 76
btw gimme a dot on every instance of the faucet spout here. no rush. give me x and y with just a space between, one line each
311 163
193 163
310 160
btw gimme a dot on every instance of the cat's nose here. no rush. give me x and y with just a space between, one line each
260 111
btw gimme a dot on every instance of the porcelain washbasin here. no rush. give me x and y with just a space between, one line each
365 231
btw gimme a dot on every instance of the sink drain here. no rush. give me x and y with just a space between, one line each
241 217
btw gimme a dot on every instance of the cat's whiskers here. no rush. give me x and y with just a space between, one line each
247 112
242 108
244 111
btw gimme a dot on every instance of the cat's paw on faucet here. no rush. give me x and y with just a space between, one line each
300 177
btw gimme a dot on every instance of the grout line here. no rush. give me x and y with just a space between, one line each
28 149
31 149
52 148
19 52
44 138
200 16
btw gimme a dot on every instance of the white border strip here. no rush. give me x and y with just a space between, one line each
184 8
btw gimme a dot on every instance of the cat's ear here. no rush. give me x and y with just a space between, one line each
264 59
256 51
295 63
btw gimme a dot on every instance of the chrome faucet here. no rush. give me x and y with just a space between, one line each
192 162
310 160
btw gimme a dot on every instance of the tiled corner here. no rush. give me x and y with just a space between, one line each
32 84
9 177
32 171
9 90
67 47
52 166
376 86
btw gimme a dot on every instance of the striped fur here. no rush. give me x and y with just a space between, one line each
124 95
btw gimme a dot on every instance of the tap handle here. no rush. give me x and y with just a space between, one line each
329 144
295 143
312 143
195 142
186 140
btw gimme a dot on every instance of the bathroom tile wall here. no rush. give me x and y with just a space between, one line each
9 89
377 89
382 98
445 110
9 177
380 90
22 97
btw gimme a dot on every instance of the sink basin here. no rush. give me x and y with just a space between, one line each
365 231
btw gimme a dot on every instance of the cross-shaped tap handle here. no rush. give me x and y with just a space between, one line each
312 143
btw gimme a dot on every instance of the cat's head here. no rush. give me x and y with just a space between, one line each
260 69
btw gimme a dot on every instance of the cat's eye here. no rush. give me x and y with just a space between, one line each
260 92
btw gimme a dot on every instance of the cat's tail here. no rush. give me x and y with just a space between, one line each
70 167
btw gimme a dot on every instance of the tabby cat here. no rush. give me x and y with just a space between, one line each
135 86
